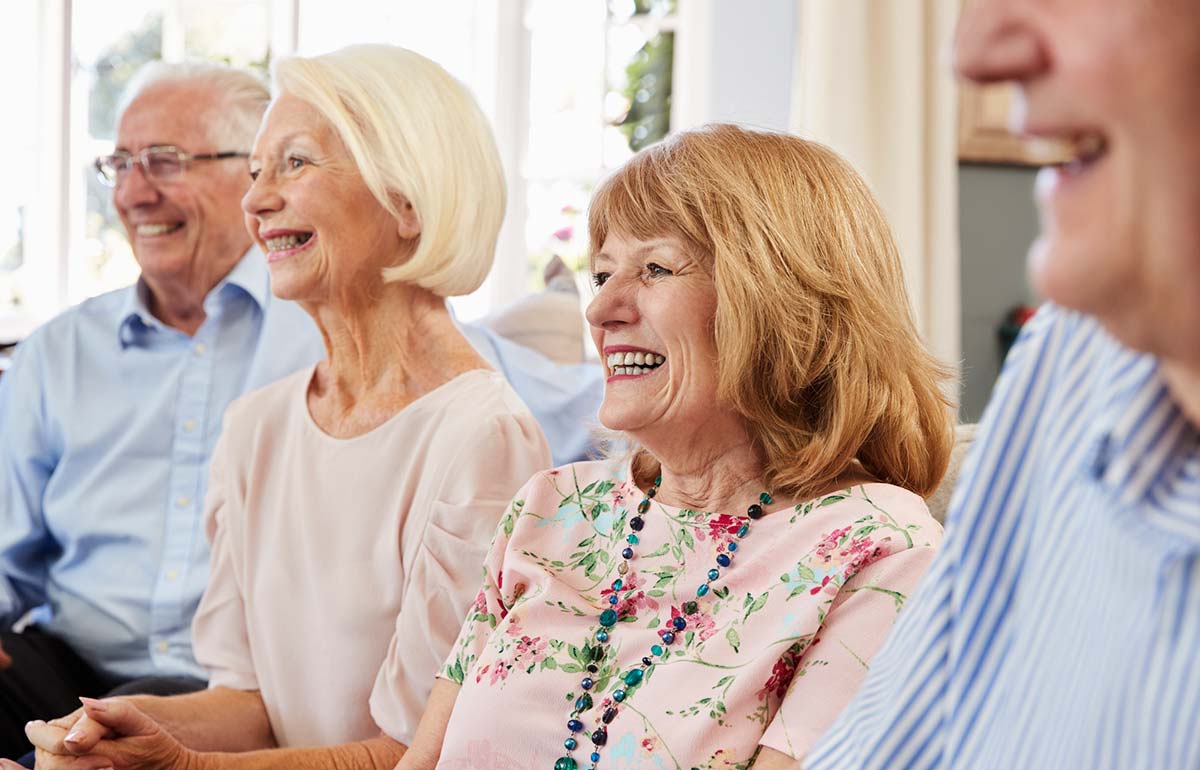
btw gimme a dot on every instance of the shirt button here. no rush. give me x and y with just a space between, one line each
189 425
172 574
162 646
183 501
200 348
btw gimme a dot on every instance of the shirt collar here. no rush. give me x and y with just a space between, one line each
1146 450
249 275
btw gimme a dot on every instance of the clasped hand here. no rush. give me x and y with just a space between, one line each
104 734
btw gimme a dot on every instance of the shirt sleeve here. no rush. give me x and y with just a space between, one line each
903 714
28 457
442 580
829 671
220 638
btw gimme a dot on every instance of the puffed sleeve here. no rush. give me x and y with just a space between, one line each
443 579
828 673
219 635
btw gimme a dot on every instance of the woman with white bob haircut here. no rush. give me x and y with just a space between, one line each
350 504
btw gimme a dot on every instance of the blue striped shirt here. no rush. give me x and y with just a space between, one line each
1060 625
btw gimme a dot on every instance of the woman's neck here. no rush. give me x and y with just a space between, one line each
719 470
383 352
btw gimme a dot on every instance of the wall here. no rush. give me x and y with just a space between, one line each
997 223
750 62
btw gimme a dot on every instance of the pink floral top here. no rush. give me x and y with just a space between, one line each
768 658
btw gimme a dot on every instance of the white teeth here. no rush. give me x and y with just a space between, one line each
157 229
633 363
286 242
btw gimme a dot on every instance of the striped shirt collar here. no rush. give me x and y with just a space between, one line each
1146 450
249 275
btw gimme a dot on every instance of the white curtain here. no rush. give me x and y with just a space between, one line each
873 81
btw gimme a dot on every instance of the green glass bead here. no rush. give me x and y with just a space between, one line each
633 677
702 590
656 649
566 763
643 506
658 481
765 499
583 703
608 618
690 608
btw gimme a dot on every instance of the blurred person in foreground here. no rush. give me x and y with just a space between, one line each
350 503
1060 625
111 410
714 597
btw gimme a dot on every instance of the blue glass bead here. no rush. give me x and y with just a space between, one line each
647 661
679 623
643 506
602 635
610 714
600 736
595 757
592 668
667 637
657 649
627 553
574 725
587 683
583 702
732 547
618 695
613 599
723 559
652 492
742 530
608 618
714 573
631 539
633 677
636 523
616 584
566 763
570 743
702 590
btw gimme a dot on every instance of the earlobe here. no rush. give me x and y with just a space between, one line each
408 223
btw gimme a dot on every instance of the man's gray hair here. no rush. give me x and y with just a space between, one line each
234 124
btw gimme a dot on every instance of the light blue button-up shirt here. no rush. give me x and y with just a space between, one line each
107 421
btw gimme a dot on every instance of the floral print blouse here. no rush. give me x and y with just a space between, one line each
768 658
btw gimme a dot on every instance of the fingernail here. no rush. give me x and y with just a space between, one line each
98 705
73 736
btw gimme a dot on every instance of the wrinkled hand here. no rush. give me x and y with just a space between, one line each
109 734
5 658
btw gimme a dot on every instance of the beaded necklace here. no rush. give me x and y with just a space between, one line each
607 622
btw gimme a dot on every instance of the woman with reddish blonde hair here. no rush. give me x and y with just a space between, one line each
712 599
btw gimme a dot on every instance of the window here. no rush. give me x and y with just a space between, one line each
572 88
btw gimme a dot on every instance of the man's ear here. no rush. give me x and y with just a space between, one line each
408 224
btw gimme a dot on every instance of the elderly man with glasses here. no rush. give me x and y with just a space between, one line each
111 410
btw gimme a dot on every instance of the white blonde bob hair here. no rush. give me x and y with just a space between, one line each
416 134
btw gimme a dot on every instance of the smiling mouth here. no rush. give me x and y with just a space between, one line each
287 242
633 363
1080 152
157 229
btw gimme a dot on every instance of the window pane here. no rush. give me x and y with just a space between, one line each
18 36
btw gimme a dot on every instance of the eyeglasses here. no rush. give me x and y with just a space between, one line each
160 163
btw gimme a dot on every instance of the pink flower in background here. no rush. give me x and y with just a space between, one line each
564 233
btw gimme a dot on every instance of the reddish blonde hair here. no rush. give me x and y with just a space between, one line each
817 347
